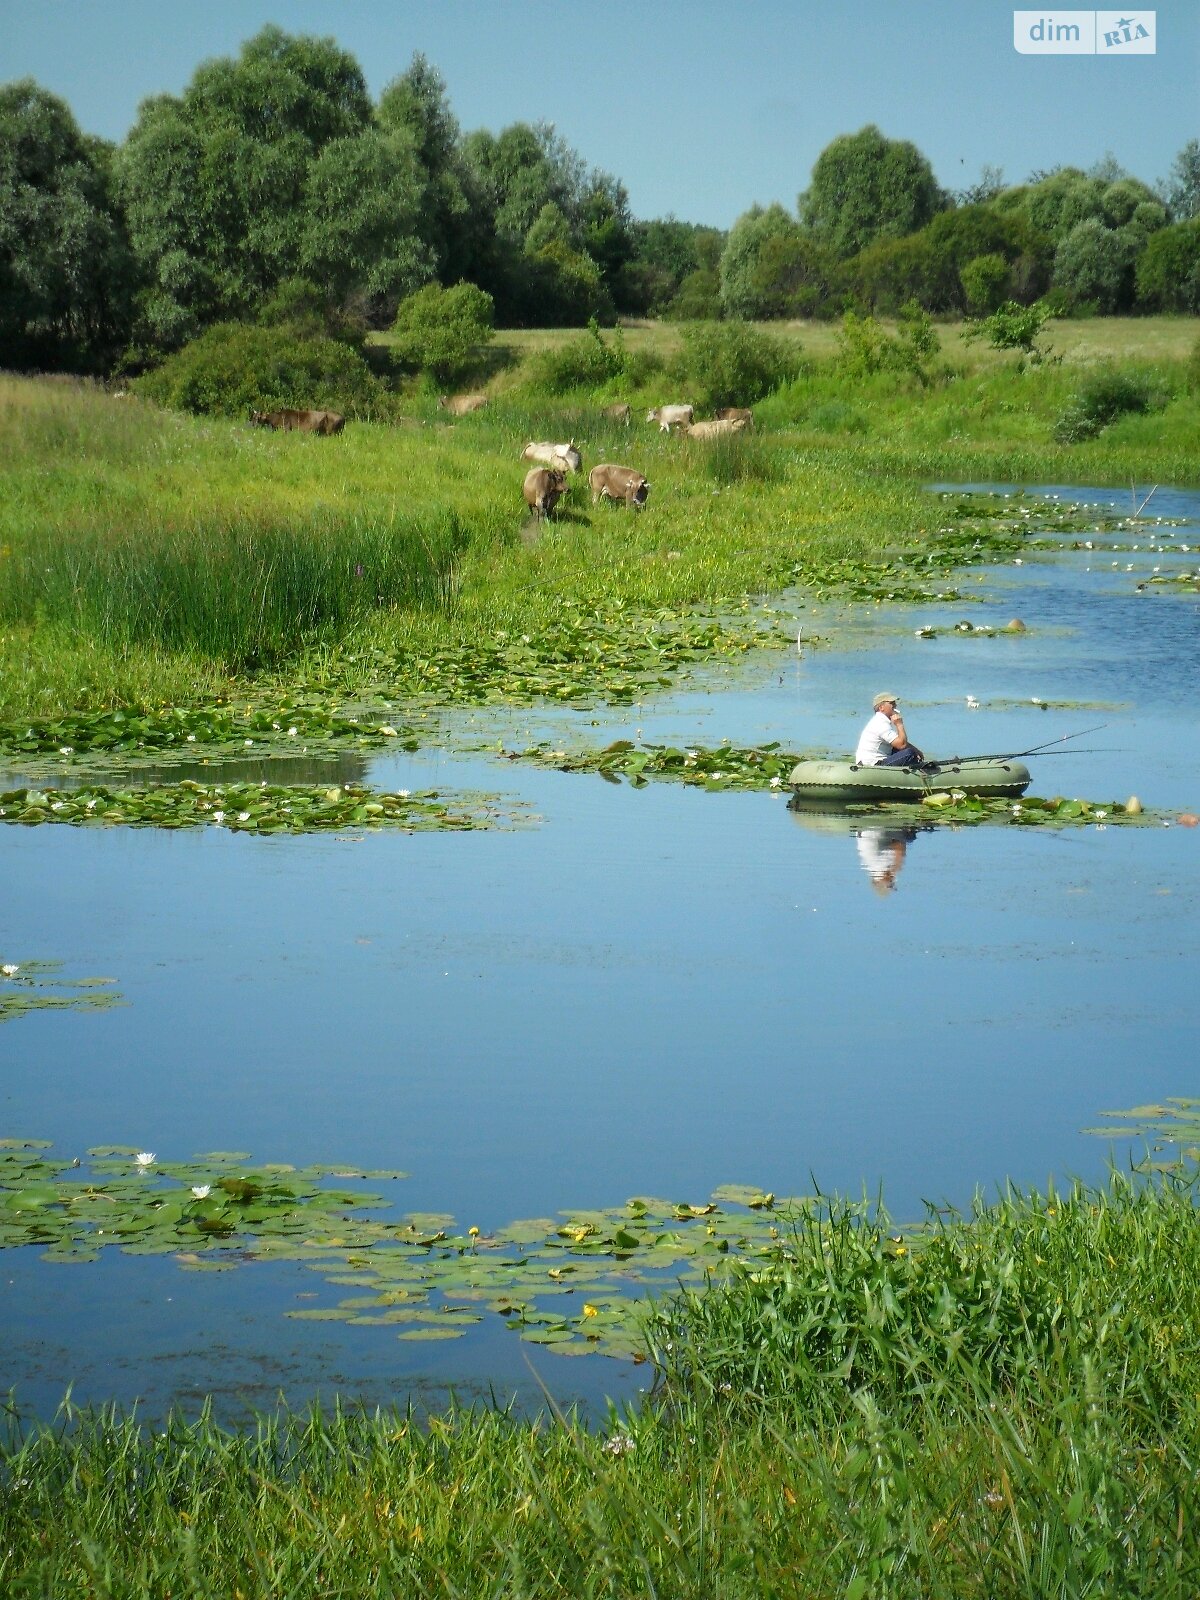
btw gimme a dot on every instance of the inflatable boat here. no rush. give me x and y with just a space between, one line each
848 783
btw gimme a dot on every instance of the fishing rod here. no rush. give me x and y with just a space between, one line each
1017 755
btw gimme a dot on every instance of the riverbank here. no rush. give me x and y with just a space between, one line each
157 559
998 1405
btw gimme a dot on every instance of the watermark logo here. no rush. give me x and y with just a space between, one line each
1084 33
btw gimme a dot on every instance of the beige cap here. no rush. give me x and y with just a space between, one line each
886 695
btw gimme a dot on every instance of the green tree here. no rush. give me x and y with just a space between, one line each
1093 267
216 184
986 282
362 215
1168 271
65 266
740 294
864 187
415 104
1181 192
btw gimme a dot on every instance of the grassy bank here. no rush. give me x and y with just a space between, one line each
1001 1405
155 559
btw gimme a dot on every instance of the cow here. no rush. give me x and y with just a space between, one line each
554 455
619 411
717 429
609 482
669 417
735 414
461 405
323 422
542 490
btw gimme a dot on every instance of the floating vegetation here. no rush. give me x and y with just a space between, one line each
38 986
1174 1123
260 808
954 805
572 1282
175 728
726 767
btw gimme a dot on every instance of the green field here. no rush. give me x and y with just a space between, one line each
152 558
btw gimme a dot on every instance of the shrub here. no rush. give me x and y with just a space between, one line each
1093 265
591 362
1168 271
866 348
439 330
698 299
1106 395
985 282
729 363
234 368
1014 327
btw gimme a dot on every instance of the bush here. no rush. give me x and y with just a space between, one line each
729 363
1014 327
1105 396
1168 271
985 282
866 348
440 330
235 368
589 362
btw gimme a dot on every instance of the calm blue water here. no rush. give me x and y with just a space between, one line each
653 991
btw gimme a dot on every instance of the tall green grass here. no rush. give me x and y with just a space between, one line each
245 591
1005 1406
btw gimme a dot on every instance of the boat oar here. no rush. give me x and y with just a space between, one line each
1016 755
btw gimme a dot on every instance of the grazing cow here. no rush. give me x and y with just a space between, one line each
669 417
620 411
542 490
717 429
554 455
324 422
735 414
609 482
461 405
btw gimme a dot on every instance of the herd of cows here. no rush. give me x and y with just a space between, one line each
545 485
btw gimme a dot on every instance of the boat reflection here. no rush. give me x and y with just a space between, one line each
882 844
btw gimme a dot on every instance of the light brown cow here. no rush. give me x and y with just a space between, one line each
619 411
734 414
713 430
554 455
543 489
669 417
325 422
609 482
461 405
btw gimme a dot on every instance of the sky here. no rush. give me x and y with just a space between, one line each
701 107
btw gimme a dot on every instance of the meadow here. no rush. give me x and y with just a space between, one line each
156 559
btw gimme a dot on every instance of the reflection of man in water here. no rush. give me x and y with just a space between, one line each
881 852
884 742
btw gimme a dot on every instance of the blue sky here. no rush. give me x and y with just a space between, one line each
702 107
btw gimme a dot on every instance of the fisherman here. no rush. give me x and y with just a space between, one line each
884 742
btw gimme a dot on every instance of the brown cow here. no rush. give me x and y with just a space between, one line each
324 422
461 405
619 411
543 489
609 482
735 414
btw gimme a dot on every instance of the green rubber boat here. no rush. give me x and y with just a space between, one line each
848 783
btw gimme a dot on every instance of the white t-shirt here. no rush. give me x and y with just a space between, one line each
876 742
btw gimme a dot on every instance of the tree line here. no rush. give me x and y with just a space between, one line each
274 175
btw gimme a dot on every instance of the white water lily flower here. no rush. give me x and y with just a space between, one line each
10 969
218 816
291 733
249 741
403 793
389 733
1102 813
243 816
145 1158
776 782
66 750
202 1190
91 805
191 738
57 805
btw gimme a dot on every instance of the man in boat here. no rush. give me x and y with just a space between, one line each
884 742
